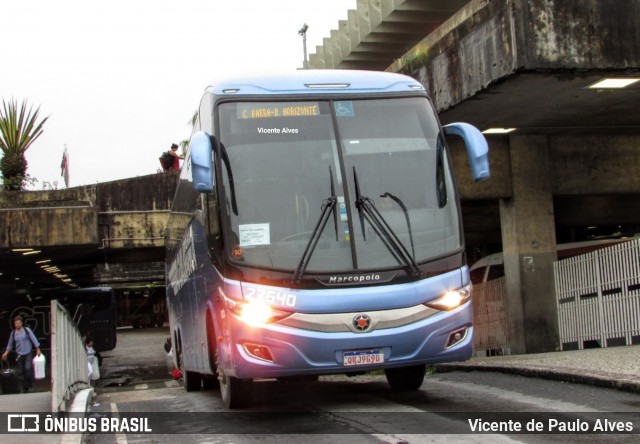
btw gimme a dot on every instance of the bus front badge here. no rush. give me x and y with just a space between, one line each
362 322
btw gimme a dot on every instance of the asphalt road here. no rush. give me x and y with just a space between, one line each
449 407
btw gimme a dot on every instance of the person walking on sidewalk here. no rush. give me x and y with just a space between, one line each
23 341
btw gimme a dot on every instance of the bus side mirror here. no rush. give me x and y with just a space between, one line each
477 148
201 153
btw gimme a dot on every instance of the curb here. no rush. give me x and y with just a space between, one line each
579 376
79 405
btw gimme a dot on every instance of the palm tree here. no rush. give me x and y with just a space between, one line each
19 128
193 122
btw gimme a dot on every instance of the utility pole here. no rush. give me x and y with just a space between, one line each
303 32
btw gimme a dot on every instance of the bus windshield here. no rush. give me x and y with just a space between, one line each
382 160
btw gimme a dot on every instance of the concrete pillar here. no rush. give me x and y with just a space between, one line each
529 247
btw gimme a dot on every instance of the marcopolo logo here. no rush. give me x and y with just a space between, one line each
355 279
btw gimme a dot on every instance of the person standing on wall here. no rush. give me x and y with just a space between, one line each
170 160
176 157
23 341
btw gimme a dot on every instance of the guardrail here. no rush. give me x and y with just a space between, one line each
68 358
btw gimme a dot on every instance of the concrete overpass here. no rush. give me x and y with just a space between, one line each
378 32
107 234
569 170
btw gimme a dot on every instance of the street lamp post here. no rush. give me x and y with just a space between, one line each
303 32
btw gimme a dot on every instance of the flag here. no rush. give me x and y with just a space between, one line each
64 167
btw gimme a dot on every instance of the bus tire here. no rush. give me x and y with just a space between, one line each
404 379
235 393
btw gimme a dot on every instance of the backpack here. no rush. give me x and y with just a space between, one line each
29 335
166 160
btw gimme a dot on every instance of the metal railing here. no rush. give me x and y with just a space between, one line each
598 296
598 302
68 358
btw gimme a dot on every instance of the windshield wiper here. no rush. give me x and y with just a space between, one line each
328 205
367 210
401 204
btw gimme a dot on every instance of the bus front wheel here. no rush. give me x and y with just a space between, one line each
404 379
235 393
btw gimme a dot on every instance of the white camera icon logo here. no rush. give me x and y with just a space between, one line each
23 423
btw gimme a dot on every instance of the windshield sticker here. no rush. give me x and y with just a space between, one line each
344 109
342 209
254 234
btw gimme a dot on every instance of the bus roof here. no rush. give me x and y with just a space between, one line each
314 81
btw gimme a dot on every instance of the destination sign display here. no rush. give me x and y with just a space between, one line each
273 110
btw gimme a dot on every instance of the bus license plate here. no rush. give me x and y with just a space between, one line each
362 357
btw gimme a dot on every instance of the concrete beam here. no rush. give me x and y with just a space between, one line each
385 21
354 28
595 164
137 229
336 50
329 57
364 22
126 275
317 60
345 38
48 227
375 13
580 165
487 42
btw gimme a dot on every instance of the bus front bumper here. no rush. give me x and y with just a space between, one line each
274 351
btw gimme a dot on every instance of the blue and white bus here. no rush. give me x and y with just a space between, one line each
315 230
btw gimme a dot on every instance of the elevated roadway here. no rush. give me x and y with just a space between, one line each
107 234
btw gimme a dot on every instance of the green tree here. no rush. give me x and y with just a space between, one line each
193 122
19 128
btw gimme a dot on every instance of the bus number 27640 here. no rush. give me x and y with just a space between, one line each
271 297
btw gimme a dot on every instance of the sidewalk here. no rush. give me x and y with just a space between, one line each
614 367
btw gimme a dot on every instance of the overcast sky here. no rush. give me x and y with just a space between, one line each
120 80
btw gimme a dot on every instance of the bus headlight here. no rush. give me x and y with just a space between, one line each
255 312
451 299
